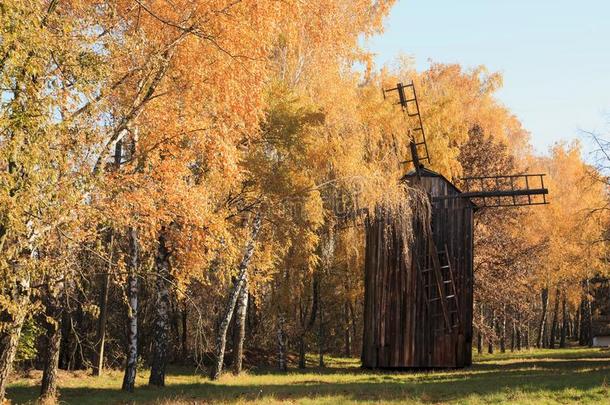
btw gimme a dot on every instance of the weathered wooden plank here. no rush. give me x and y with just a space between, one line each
399 330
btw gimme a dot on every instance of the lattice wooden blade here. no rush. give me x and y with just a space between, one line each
504 191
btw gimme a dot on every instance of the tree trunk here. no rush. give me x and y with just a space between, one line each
565 323
502 325
302 362
480 337
281 344
77 353
98 361
52 338
252 317
327 251
518 335
184 343
353 324
513 336
162 308
100 339
12 322
347 335
129 379
175 319
581 328
541 331
555 323
490 343
240 327
65 348
586 325
307 325
221 339
588 319
320 333
576 328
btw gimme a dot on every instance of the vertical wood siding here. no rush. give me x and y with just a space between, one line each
399 330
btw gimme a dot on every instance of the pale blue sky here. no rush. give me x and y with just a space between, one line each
554 55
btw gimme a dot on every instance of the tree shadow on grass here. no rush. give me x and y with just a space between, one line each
571 378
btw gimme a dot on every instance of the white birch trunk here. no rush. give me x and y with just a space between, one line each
221 339
161 325
281 344
129 378
240 325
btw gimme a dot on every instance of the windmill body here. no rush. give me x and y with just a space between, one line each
418 291
419 279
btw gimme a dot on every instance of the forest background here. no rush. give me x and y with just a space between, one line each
183 180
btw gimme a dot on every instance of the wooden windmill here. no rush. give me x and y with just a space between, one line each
419 291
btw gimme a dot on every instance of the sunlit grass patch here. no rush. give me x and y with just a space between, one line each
574 375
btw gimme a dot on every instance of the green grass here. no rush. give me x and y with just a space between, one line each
575 375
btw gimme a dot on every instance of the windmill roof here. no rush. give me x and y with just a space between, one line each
425 172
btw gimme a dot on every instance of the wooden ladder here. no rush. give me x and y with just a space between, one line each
407 99
439 289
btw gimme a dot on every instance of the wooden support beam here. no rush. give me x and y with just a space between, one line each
496 193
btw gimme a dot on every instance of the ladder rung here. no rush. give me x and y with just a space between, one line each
438 298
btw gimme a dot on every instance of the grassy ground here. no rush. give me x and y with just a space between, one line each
575 375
